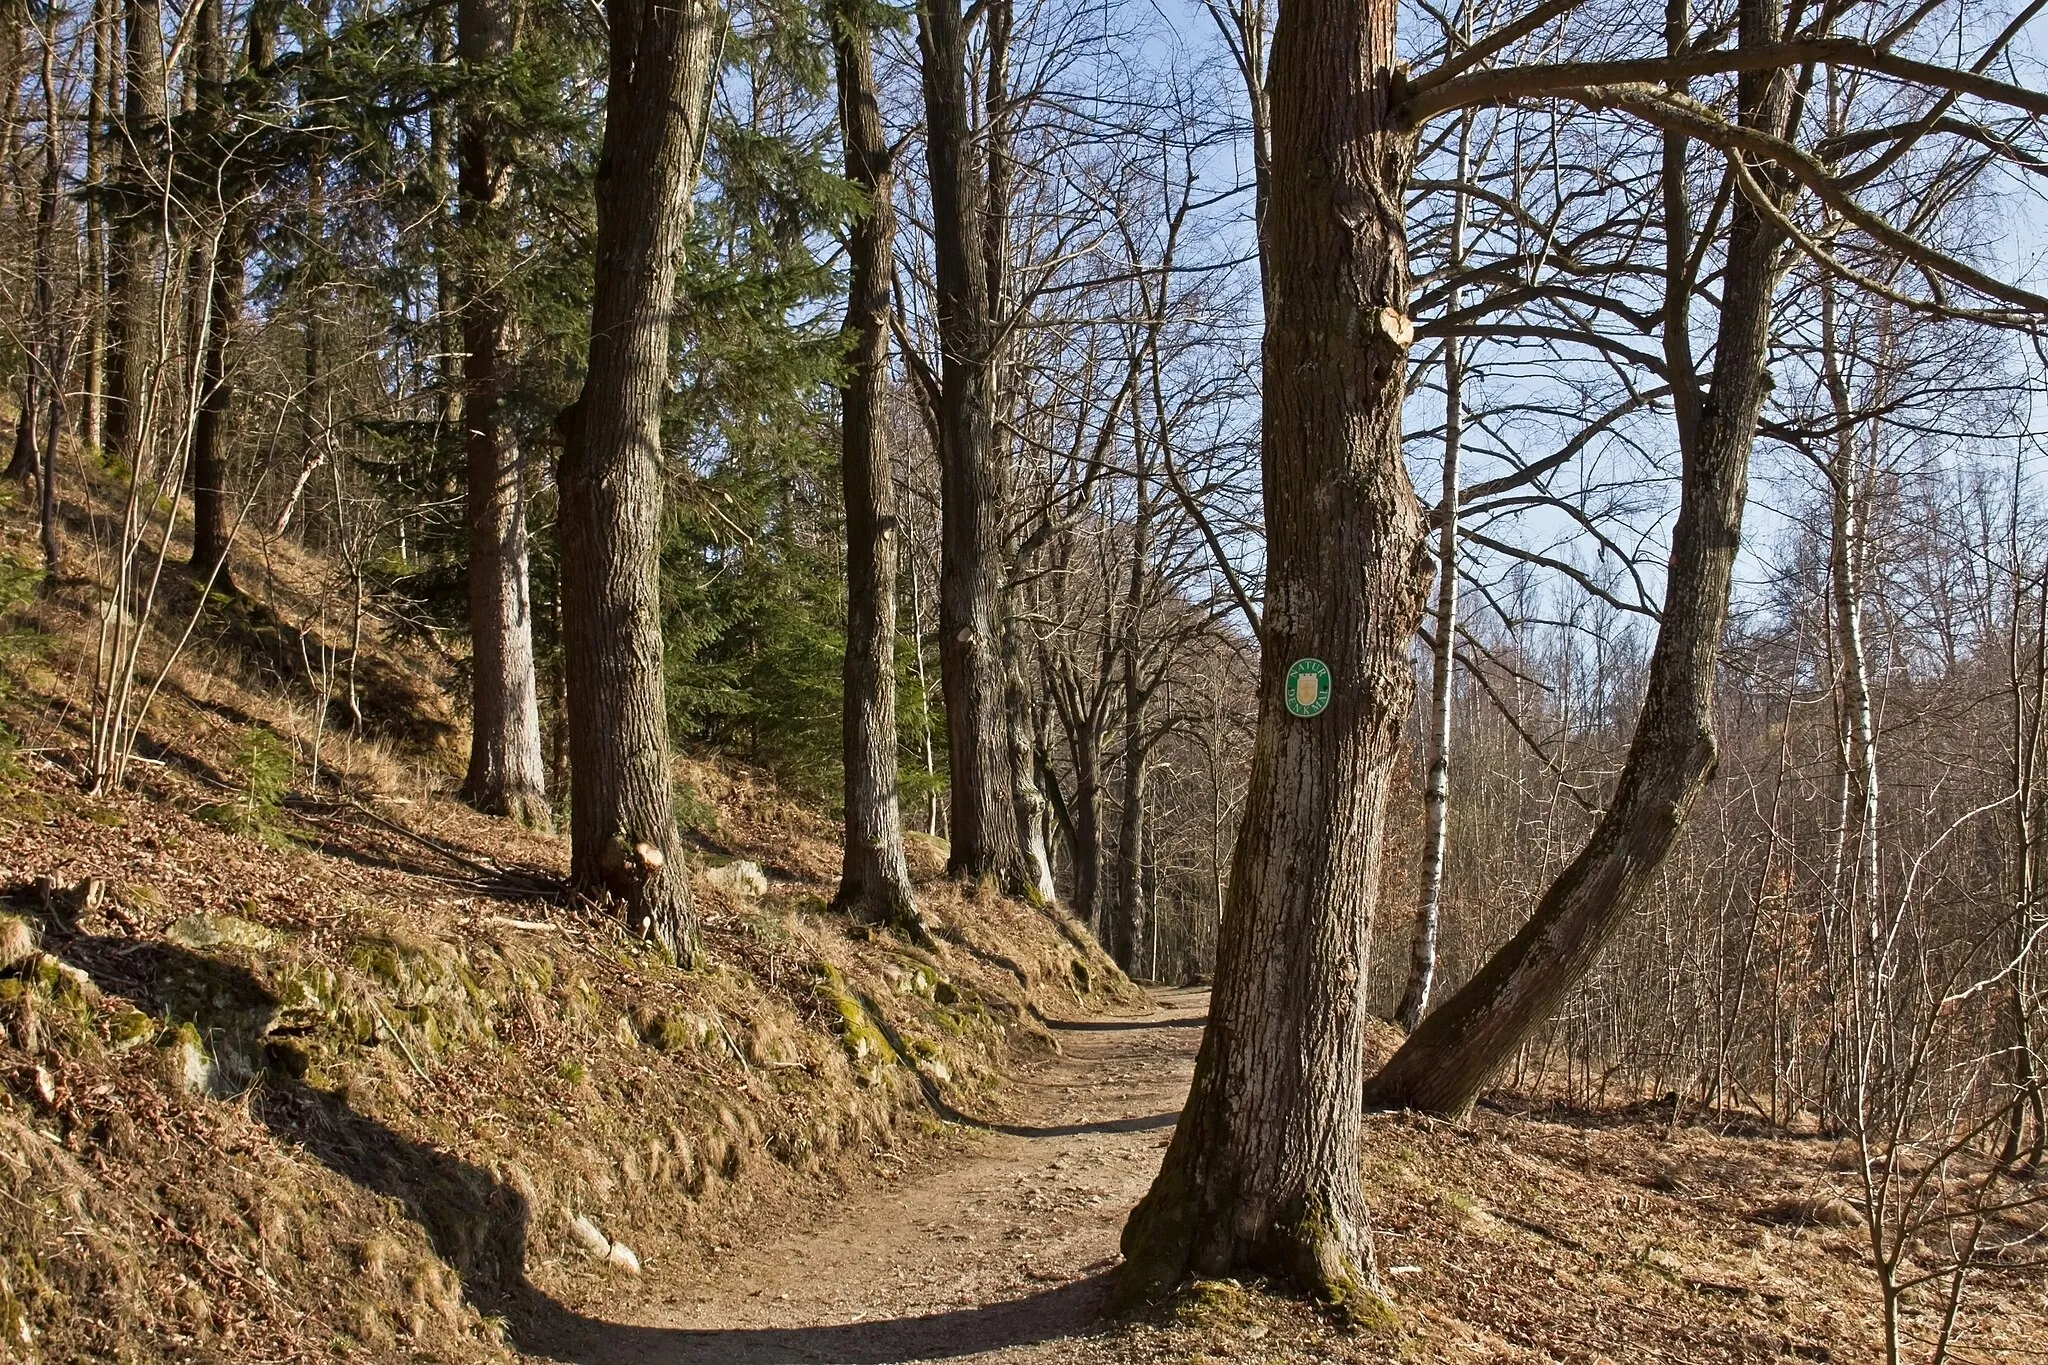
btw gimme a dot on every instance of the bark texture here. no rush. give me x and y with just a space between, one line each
973 482
1463 1044
1262 1174
874 878
136 346
218 290
506 773
622 833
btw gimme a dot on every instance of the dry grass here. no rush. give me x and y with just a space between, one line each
303 1087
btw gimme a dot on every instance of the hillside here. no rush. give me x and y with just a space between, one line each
324 1069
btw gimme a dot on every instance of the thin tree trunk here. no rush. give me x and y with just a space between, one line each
105 57
874 879
1465 1041
1845 569
1086 751
622 832
135 261
1262 1174
973 482
218 290
1127 914
1436 790
51 352
22 465
507 775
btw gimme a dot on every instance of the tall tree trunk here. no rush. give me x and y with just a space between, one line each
874 878
106 55
133 265
52 348
1085 749
1846 546
1127 924
1436 788
622 832
973 481
1463 1044
218 286
507 775
1262 1174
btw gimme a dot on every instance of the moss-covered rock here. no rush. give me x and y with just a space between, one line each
202 933
865 1044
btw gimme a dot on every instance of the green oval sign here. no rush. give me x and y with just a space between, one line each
1308 687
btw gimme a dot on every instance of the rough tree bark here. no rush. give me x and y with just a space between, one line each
1085 748
506 773
1127 915
1262 1174
622 832
1462 1045
106 47
973 482
133 352
53 352
217 287
22 464
874 878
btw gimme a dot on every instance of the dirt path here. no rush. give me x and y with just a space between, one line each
999 1256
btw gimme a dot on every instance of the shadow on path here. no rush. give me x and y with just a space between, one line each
1069 1310
1120 1025
479 1226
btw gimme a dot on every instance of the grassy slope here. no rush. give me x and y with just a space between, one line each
313 1079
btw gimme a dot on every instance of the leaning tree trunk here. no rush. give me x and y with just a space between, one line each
622 832
1463 1044
973 483
1262 1175
506 773
874 878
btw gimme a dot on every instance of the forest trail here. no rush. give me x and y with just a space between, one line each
999 1255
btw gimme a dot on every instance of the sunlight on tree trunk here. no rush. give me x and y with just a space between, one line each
622 832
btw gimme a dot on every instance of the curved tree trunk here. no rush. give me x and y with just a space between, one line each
622 833
874 878
506 773
1262 1174
973 483
1463 1044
